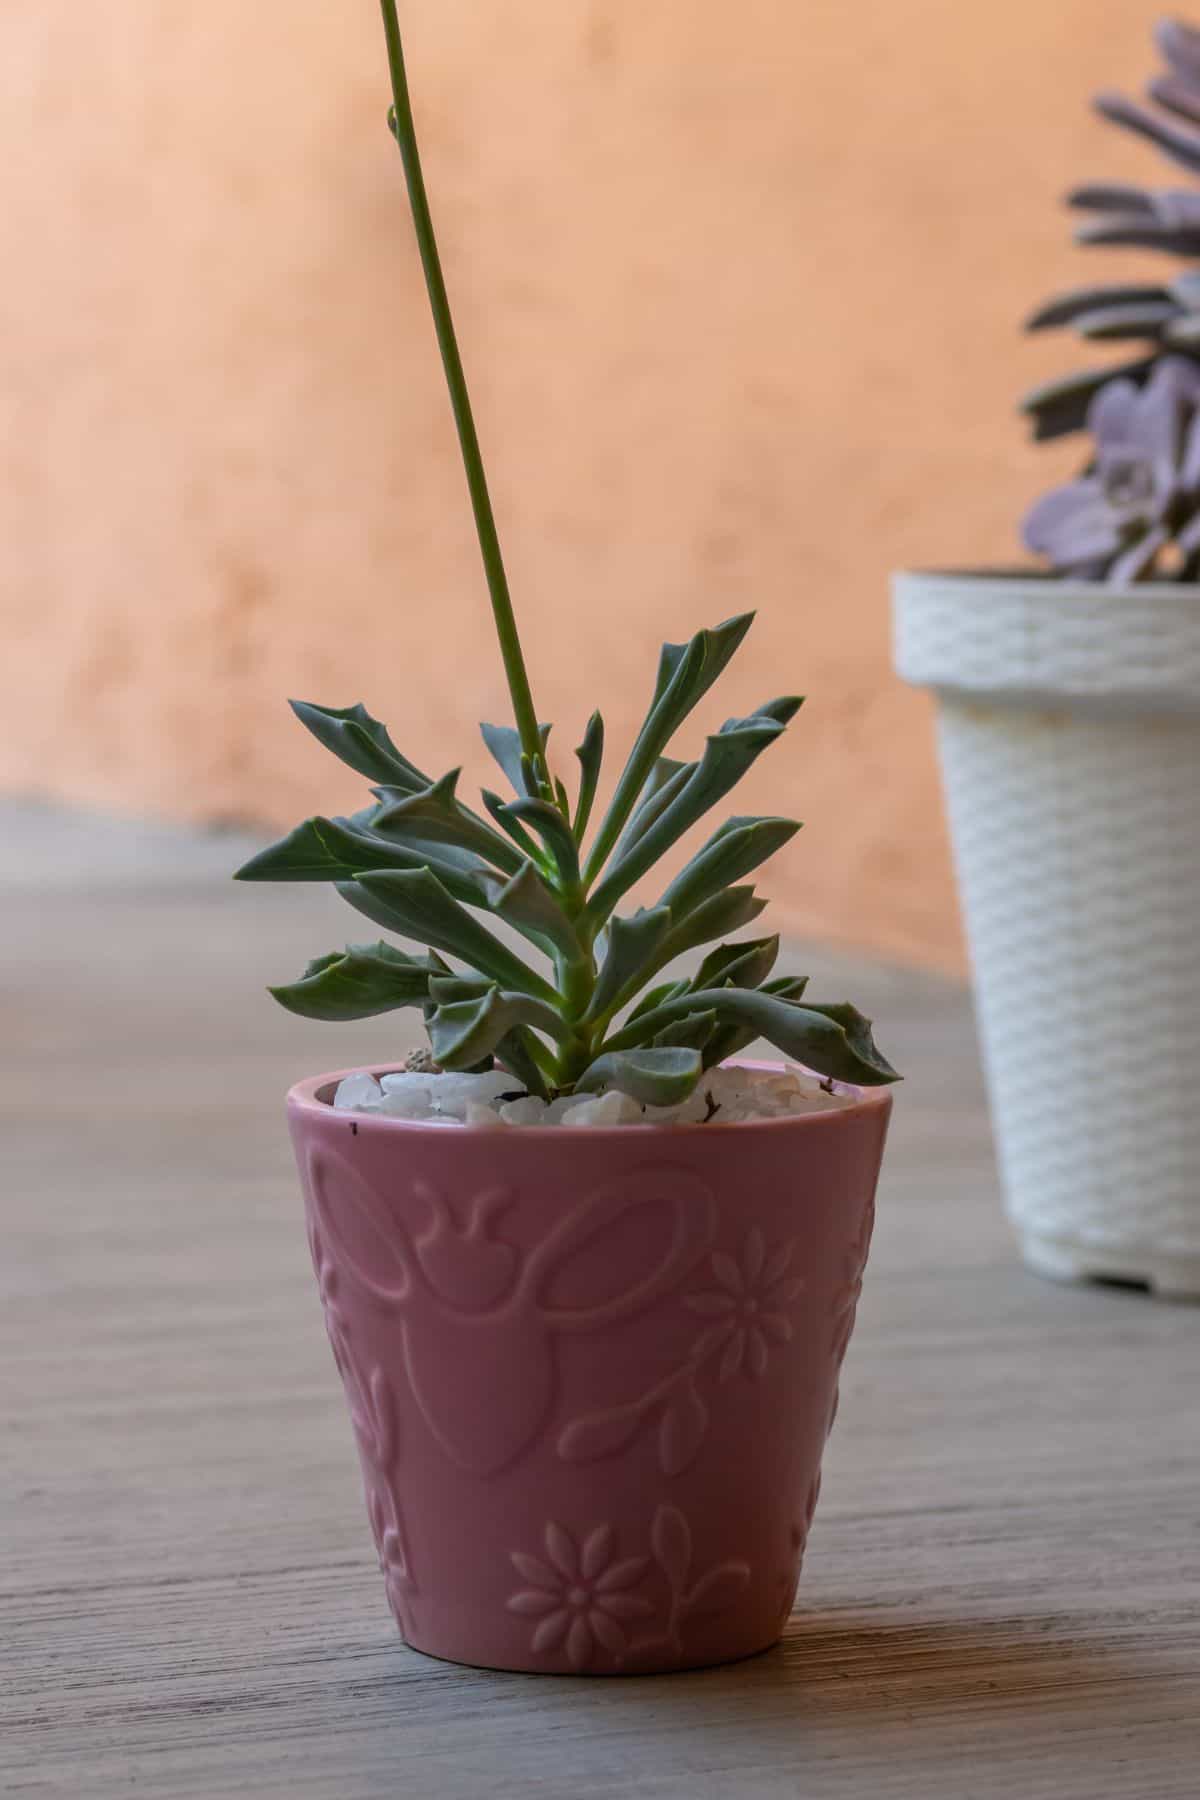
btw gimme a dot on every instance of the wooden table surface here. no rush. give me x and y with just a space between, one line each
1002 1593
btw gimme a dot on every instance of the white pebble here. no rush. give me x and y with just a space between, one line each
408 1096
727 1096
558 1109
358 1093
486 1116
529 1111
450 1095
612 1108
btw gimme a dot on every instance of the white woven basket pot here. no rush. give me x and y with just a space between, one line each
1069 725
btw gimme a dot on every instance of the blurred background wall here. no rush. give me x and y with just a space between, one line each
738 289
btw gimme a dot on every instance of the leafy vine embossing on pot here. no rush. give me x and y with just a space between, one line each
328 1285
797 1543
477 1320
395 1564
746 1310
845 1302
583 1596
373 1418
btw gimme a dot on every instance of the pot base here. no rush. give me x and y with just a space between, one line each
1165 1274
619 1672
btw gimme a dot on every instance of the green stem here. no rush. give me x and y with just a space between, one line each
485 523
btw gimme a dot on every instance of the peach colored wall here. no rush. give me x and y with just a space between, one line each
737 287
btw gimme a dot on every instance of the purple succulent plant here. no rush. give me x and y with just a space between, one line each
1141 494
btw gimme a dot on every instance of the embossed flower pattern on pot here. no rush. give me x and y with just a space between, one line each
582 1600
746 1307
580 1595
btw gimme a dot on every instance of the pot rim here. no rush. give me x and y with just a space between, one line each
1045 583
306 1097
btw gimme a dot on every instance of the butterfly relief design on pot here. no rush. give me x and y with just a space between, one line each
745 1314
477 1325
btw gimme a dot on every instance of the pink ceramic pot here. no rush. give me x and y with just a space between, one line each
591 1372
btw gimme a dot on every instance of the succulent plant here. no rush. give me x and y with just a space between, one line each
1157 314
1129 515
1141 492
575 1003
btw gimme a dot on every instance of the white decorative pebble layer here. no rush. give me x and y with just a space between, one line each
731 1096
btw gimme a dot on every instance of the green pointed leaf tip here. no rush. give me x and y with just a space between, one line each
631 944
685 674
421 908
728 754
835 1041
463 1030
530 906
434 814
504 743
591 755
359 741
359 982
738 965
554 832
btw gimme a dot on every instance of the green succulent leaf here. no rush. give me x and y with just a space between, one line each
338 850
740 846
631 945
692 1033
367 819
527 904
446 988
783 710
360 741
358 983
685 674
435 815
856 1029
505 746
516 831
461 1031
655 1077
416 903
658 996
523 1055
730 910
666 779
728 754
835 1041
729 1040
591 755
554 832
738 965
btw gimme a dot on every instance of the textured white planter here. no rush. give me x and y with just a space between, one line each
1069 725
